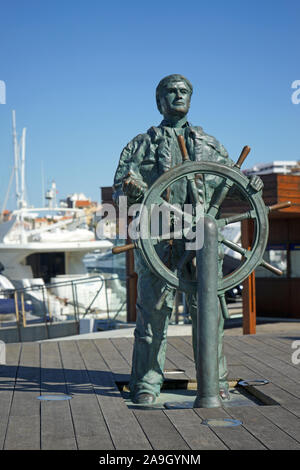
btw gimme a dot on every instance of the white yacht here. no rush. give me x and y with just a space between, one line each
42 251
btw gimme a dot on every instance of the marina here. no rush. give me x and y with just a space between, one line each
55 273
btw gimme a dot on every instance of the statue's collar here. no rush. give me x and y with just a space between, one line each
164 131
165 123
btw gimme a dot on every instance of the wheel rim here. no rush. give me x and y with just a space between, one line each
255 200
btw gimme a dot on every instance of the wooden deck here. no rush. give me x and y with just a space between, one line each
98 418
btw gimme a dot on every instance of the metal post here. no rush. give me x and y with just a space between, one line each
107 303
74 301
17 314
46 320
207 319
76 306
23 309
248 295
48 304
176 308
16 307
44 304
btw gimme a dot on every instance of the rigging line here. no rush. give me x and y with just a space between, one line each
8 191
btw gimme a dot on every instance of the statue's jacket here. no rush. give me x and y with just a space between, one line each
147 157
151 154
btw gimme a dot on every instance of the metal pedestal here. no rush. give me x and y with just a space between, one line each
207 319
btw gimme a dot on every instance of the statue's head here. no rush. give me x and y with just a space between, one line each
173 96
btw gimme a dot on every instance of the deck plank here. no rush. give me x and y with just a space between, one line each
283 354
263 429
125 431
279 344
190 427
284 419
236 437
287 340
27 387
242 372
23 431
124 347
230 358
8 374
281 389
160 431
264 371
261 355
180 360
294 408
185 348
111 355
89 423
57 430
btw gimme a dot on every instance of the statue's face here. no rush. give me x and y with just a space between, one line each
175 99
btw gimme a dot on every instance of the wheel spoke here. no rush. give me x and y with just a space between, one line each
235 247
223 305
219 196
196 196
280 205
236 218
184 222
271 268
188 218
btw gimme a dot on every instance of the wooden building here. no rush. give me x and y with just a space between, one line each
280 296
265 294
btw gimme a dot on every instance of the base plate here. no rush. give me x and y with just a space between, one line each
184 399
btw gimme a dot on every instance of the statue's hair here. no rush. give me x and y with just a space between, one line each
175 77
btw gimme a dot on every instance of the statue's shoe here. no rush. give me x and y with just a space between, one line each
224 394
144 399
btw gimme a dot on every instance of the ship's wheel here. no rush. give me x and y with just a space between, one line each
230 179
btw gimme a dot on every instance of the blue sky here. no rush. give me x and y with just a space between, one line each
81 76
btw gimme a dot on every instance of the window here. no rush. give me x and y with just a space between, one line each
276 255
295 259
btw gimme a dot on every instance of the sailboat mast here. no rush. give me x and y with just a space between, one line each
16 157
22 195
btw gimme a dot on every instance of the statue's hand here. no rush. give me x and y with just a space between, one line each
133 188
256 182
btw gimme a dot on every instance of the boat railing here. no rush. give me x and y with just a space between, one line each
21 307
20 225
